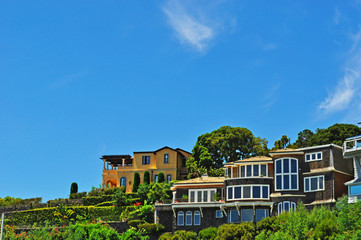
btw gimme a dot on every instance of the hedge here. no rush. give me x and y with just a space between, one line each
91 201
42 215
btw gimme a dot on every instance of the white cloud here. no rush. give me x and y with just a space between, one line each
336 16
193 29
346 95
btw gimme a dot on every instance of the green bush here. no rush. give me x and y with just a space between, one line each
104 204
73 188
136 182
232 231
146 178
151 228
132 233
166 236
207 233
134 223
160 177
77 195
184 235
94 200
92 231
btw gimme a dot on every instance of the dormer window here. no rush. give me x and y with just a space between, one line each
316 156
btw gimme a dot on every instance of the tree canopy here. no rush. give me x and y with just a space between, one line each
225 144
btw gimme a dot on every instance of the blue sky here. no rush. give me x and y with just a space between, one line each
81 79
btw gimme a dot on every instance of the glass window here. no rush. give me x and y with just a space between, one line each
189 218
243 169
255 170
265 192
166 158
156 178
212 195
199 196
315 183
247 215
197 218
169 177
180 220
256 192
286 206
313 156
233 216
261 213
247 192
286 174
355 190
123 182
205 196
145 160
237 192
192 196
230 193
264 170
219 214
249 170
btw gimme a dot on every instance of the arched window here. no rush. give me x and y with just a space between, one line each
197 218
286 172
286 206
189 218
180 220
123 182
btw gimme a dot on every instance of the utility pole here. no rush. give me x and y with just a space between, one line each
2 225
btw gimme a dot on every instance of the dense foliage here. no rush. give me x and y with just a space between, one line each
73 188
146 178
136 182
8 201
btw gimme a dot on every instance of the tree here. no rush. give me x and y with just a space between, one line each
146 178
304 138
158 192
74 188
160 177
282 143
225 144
136 182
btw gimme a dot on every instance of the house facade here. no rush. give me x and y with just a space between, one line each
119 169
352 150
257 187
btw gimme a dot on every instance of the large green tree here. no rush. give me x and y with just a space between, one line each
304 138
225 144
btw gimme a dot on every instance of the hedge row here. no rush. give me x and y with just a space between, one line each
42 215
91 201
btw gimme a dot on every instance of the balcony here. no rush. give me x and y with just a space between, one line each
352 146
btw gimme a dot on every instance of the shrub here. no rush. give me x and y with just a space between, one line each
135 223
132 233
77 195
184 235
94 200
104 204
207 233
160 177
143 191
232 231
166 236
146 178
151 228
136 182
92 231
73 188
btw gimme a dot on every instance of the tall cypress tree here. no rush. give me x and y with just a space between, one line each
146 177
136 182
161 177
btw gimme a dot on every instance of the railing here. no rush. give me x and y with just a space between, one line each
352 145
184 200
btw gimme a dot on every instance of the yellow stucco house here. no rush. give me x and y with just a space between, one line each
119 169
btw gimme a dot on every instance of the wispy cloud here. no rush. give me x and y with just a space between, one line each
66 80
192 27
270 97
346 95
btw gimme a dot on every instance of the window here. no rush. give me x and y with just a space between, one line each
189 218
248 192
169 177
255 170
202 195
247 215
156 178
261 213
145 160
286 172
233 216
316 156
123 182
166 158
180 220
286 206
197 218
316 183
219 214
355 190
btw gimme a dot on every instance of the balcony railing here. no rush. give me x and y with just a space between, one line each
351 146
183 200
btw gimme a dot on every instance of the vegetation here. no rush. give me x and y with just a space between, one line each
73 188
160 177
225 144
136 182
146 178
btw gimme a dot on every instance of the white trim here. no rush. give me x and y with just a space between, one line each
321 146
318 183
208 190
316 156
282 174
251 191
252 170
